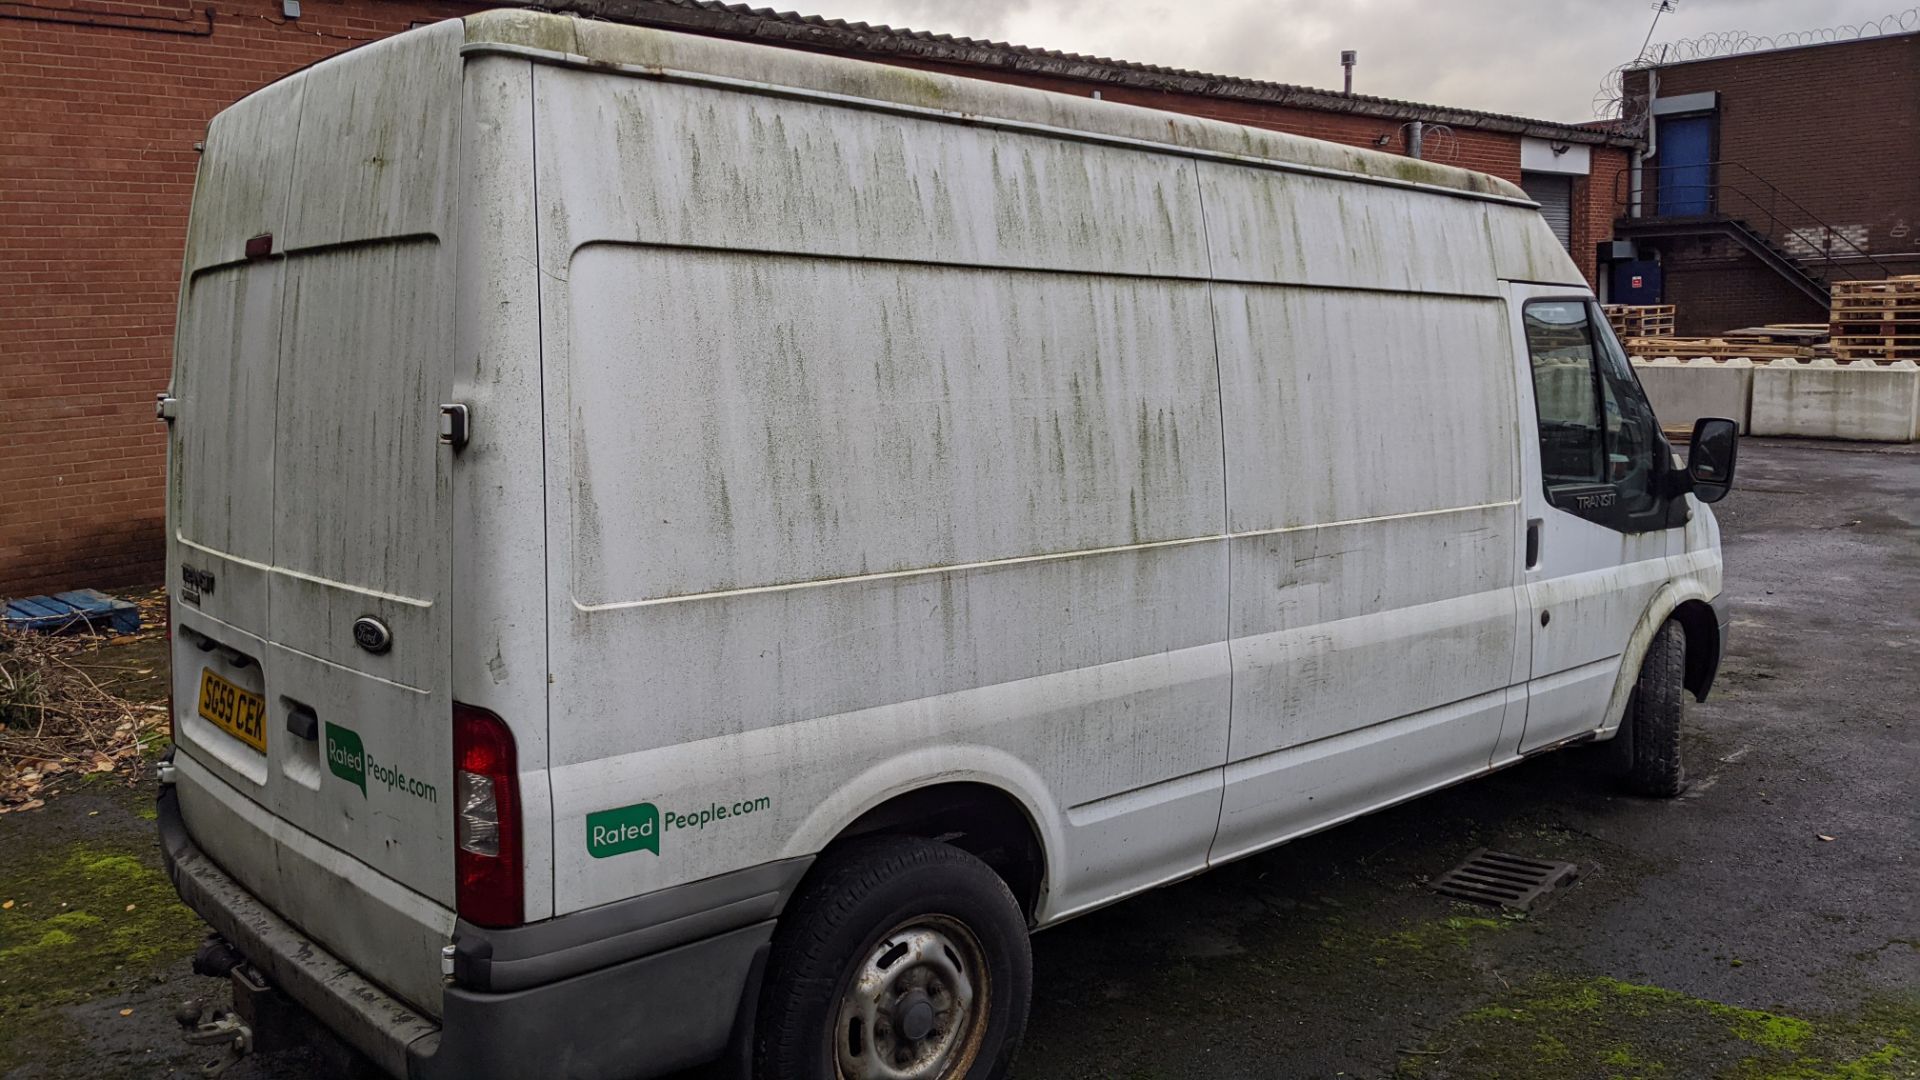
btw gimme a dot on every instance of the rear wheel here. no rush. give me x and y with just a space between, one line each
899 959
1650 755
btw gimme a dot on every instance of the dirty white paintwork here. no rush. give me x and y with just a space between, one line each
840 430
306 479
885 440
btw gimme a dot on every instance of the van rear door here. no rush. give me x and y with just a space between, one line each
310 550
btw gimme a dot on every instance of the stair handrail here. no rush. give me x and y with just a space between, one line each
1622 198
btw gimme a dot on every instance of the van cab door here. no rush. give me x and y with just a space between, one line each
1600 524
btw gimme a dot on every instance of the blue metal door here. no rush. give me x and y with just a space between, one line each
1685 175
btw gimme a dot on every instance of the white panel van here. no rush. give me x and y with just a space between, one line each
683 550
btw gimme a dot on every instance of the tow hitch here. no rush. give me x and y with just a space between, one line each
224 1028
262 1019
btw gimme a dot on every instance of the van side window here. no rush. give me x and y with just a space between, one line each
1596 428
1633 434
1572 441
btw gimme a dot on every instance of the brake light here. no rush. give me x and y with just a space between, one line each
486 859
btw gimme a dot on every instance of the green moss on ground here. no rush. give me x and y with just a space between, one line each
1606 1029
84 920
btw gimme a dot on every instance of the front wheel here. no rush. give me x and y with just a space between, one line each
1650 755
899 959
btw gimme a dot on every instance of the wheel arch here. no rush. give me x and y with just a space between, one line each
978 818
1688 602
1698 619
994 810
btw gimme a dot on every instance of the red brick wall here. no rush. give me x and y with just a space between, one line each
1836 127
1715 285
102 102
1594 207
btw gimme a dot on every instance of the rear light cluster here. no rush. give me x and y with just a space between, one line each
486 859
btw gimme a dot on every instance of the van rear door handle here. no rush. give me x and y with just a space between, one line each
302 722
1533 542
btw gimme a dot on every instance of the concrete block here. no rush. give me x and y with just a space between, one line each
1825 399
1683 391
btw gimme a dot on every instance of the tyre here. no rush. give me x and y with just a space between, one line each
1650 756
899 957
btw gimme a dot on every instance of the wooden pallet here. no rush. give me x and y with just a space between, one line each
1894 300
1886 348
1716 348
1641 320
72 610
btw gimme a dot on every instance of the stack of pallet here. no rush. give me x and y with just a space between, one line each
1877 320
1641 320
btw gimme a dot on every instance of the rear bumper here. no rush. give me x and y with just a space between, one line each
677 1004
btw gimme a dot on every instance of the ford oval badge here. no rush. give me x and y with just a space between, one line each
372 635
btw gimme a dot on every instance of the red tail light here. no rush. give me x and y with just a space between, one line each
486 858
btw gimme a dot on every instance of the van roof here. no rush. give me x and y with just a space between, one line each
650 53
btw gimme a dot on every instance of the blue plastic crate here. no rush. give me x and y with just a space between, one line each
81 607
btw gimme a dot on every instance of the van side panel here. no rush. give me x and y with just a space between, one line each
1290 229
1371 437
885 451
1525 249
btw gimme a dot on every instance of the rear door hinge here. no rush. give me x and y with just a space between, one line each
165 406
453 425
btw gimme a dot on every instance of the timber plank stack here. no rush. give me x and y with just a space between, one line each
1718 348
1814 334
1641 320
1877 320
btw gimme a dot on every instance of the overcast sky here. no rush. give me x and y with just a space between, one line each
1539 58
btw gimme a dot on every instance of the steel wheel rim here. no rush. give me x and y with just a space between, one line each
915 1006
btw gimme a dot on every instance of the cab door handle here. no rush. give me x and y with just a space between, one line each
1533 542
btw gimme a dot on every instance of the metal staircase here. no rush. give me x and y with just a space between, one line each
1747 208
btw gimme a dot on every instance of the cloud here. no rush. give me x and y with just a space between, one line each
1541 58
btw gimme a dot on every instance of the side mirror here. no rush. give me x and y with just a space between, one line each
1710 460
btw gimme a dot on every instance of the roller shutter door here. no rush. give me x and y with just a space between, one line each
1555 196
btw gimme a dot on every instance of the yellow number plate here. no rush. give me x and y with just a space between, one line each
238 712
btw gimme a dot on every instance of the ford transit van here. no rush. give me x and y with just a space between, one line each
682 550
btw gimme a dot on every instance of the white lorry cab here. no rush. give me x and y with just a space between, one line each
682 550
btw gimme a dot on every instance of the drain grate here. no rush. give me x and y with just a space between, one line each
1511 881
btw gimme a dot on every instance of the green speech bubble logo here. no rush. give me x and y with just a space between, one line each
628 828
346 757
